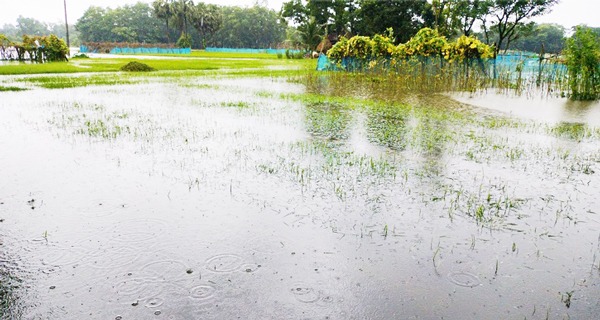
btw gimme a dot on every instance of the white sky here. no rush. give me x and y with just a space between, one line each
567 13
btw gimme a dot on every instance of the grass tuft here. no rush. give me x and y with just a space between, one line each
135 66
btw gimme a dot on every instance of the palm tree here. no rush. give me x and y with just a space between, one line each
207 19
183 12
163 9
310 33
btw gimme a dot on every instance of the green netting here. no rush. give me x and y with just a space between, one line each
514 65
118 50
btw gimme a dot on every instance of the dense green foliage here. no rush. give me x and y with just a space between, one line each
502 21
254 27
364 17
165 21
122 24
583 61
547 38
426 43
405 17
505 18
29 26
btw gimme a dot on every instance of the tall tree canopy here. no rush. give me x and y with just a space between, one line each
550 37
452 17
405 17
163 9
30 26
123 24
336 16
254 27
208 18
507 19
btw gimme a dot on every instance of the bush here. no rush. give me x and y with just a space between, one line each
468 48
360 47
583 63
54 49
80 56
339 51
135 66
427 42
383 46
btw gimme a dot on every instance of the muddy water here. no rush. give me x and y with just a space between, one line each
223 199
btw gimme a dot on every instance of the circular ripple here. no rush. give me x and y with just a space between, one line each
132 231
224 263
154 302
113 258
202 292
139 288
250 267
166 269
464 279
305 294
64 256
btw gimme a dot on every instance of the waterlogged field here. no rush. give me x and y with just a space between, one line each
328 197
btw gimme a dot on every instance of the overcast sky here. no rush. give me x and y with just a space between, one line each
567 13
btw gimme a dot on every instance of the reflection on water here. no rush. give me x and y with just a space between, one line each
534 107
208 199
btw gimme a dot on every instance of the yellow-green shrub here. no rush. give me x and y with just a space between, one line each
427 42
468 48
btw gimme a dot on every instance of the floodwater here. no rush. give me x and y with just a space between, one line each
229 199
536 106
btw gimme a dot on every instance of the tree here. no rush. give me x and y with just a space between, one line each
453 16
122 24
507 19
31 26
335 15
163 9
310 34
549 38
254 27
405 17
583 62
93 25
183 14
295 10
207 19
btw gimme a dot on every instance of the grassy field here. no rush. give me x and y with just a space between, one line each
197 61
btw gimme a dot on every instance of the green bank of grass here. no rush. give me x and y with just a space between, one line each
198 60
107 71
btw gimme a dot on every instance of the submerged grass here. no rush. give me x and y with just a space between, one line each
61 82
11 88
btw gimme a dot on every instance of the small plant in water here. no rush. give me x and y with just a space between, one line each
566 298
